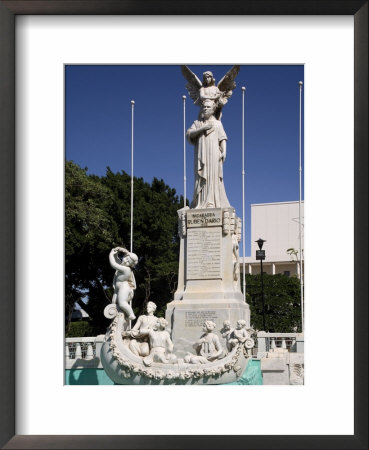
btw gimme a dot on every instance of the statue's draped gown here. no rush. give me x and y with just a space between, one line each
209 189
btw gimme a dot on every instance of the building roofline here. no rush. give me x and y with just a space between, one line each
275 203
252 260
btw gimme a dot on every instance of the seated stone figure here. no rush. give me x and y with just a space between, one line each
138 342
227 334
240 334
209 345
161 346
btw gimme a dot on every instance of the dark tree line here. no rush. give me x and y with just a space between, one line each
282 302
97 218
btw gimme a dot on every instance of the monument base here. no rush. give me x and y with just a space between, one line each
186 319
208 281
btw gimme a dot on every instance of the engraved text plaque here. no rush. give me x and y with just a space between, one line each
204 260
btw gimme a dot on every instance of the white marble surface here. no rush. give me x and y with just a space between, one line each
208 290
124 367
124 281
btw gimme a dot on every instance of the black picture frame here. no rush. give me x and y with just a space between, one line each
8 12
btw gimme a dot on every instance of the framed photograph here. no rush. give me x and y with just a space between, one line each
98 136
37 40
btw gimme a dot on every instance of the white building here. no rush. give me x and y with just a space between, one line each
278 225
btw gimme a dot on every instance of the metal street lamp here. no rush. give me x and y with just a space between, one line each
260 255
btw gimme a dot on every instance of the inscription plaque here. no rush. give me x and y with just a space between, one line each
204 253
204 218
197 318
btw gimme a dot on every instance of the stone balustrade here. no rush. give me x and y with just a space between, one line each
83 352
293 342
281 357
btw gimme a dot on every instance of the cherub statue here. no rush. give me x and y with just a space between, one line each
240 334
227 334
124 281
161 346
209 345
207 90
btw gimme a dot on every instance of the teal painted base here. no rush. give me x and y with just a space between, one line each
251 376
87 377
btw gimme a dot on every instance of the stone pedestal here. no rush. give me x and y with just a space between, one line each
208 279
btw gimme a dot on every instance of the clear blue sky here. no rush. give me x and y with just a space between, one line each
98 127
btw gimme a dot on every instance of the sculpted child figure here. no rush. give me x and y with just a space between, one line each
227 334
240 333
209 345
124 281
139 343
161 346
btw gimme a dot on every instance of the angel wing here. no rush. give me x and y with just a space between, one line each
227 84
194 84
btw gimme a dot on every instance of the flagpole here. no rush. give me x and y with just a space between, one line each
131 244
243 194
300 219
184 151
132 128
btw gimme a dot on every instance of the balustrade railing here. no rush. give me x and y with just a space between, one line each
83 352
293 342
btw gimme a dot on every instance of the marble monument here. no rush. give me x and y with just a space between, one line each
210 231
195 343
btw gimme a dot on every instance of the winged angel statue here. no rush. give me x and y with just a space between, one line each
208 136
200 91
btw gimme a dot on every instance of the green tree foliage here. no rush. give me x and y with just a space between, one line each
282 302
155 238
80 329
97 218
89 232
